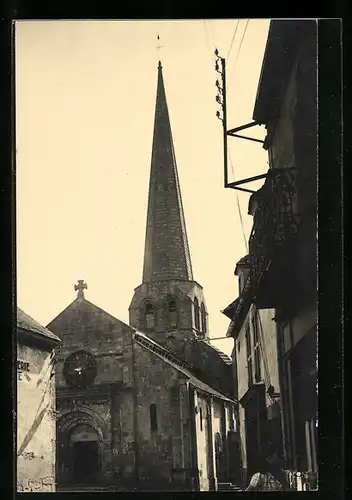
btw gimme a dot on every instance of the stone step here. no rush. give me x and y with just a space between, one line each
228 487
80 488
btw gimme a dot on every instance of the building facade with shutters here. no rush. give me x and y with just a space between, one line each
149 405
279 275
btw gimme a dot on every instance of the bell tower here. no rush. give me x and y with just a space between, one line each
169 305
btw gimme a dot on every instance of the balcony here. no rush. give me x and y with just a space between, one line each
273 241
272 260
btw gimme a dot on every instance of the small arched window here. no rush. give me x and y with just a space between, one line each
204 318
172 312
153 418
196 314
149 316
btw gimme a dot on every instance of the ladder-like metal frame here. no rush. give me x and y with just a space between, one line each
232 132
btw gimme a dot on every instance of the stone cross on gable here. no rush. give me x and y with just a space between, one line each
81 285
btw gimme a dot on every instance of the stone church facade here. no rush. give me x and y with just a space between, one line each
149 405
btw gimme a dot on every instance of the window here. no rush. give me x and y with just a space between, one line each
174 394
196 314
240 283
149 316
249 355
257 357
201 418
239 346
172 312
204 318
153 418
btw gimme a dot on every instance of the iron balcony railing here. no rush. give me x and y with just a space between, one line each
272 245
275 223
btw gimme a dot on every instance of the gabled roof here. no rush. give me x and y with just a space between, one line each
222 355
230 310
91 305
179 365
27 323
242 263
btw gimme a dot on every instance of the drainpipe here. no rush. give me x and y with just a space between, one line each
211 454
135 417
283 401
193 434
181 403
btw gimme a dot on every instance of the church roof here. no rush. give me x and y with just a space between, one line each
166 253
179 365
222 355
26 322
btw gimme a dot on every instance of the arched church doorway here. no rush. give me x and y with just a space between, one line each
85 459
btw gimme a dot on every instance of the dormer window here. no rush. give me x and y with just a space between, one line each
149 316
242 271
196 314
172 312
204 318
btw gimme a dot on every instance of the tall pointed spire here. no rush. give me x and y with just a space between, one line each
166 253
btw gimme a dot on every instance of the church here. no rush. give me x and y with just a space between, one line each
149 405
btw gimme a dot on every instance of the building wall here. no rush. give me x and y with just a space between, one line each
105 404
163 452
210 366
35 422
269 373
268 368
204 456
281 152
84 327
213 418
294 143
182 339
130 378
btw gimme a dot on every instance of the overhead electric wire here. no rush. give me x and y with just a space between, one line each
207 33
233 38
239 49
239 209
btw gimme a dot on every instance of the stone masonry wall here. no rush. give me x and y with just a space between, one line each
107 403
163 452
82 326
157 293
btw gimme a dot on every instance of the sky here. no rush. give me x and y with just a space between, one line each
85 100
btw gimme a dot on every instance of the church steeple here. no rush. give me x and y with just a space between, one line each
168 305
166 253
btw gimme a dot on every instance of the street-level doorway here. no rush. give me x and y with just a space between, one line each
85 463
